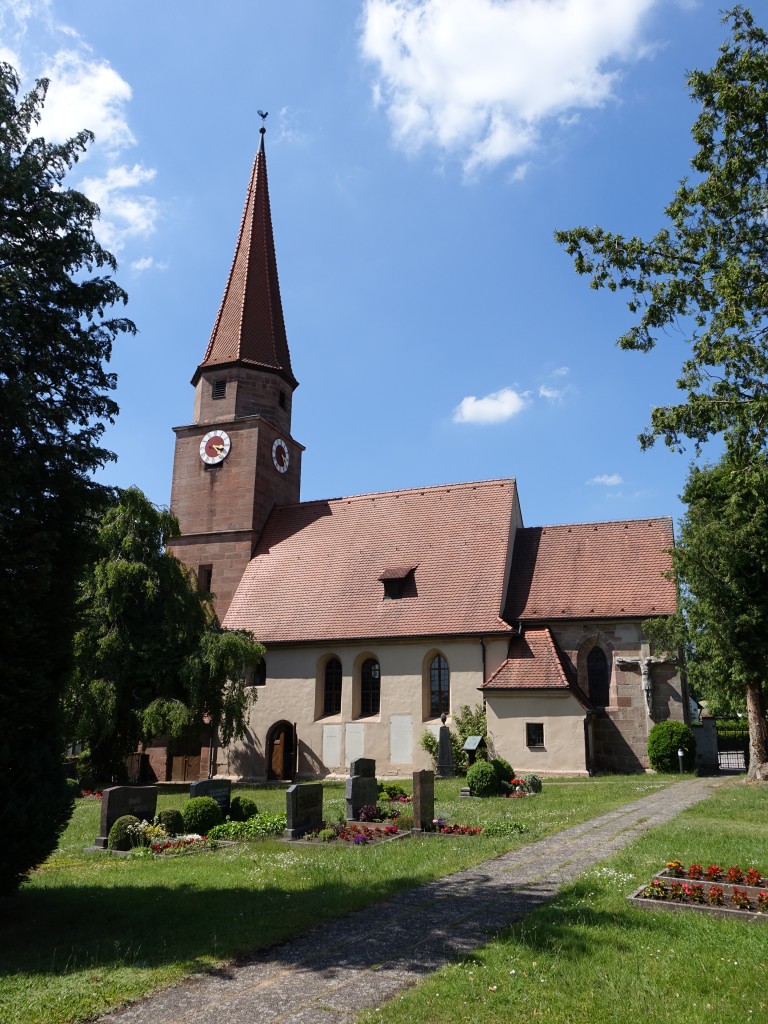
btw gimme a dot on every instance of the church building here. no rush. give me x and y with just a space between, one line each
381 612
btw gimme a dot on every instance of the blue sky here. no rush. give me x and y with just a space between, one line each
421 154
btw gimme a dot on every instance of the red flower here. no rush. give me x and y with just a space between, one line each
753 877
714 872
695 871
715 896
735 874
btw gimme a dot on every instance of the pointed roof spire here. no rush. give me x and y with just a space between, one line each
249 328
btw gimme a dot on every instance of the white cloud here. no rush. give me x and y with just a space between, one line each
494 408
147 263
609 480
561 371
86 94
123 214
553 394
478 78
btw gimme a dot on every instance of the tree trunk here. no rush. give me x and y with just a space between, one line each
758 735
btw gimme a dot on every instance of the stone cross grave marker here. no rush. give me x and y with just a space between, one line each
423 799
303 809
219 789
119 800
362 787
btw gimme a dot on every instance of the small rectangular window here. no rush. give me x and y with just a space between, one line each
281 399
204 577
534 734
219 389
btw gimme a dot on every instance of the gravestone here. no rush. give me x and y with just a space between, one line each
362 787
444 752
423 800
119 800
219 789
303 809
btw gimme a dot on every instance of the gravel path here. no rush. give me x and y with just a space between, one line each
332 972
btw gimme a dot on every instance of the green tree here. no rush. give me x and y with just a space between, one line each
56 334
150 656
705 272
721 561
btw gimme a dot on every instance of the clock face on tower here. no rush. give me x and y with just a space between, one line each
214 447
280 455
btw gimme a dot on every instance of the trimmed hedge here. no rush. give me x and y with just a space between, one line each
663 742
120 835
482 779
242 808
171 820
200 814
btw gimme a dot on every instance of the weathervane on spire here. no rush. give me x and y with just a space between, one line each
263 114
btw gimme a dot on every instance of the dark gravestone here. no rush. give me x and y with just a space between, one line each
303 809
444 752
219 789
119 800
423 799
362 788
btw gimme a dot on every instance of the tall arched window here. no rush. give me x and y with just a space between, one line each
439 687
370 687
332 690
598 677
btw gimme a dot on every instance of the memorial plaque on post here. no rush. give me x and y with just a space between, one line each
423 799
303 809
362 788
219 789
119 800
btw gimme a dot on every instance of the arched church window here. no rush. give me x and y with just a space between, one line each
332 689
598 677
370 687
439 687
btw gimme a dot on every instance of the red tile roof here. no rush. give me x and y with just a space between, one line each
317 571
533 663
250 328
592 570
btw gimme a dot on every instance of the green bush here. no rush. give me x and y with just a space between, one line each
242 808
171 820
405 822
504 827
392 789
73 788
663 743
504 770
261 826
200 814
124 834
482 779
533 783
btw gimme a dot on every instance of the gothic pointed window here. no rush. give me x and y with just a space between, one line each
370 687
332 688
599 677
439 687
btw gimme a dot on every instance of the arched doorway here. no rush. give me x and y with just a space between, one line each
281 748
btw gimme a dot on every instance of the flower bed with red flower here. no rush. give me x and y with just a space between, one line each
183 844
723 888
358 834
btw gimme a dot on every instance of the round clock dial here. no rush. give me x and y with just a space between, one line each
280 455
214 447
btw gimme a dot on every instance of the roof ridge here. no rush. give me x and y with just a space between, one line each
473 484
601 522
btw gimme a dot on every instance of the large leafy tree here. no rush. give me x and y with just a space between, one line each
721 560
56 334
704 274
150 656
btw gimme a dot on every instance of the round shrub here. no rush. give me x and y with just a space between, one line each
482 779
533 783
504 770
663 743
123 834
242 808
200 814
171 820
392 789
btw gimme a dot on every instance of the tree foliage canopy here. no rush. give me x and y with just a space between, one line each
150 657
704 273
56 334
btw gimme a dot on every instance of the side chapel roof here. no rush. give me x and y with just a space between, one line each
592 570
250 328
318 570
534 662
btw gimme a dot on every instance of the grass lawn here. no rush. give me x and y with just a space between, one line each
590 956
88 932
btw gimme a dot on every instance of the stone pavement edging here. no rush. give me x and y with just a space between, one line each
334 971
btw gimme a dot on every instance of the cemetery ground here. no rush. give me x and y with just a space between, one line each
91 931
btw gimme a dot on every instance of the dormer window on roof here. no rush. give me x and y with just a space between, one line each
395 578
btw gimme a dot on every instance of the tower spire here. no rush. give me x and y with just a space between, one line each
250 329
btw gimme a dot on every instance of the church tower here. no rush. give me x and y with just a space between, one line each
237 459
